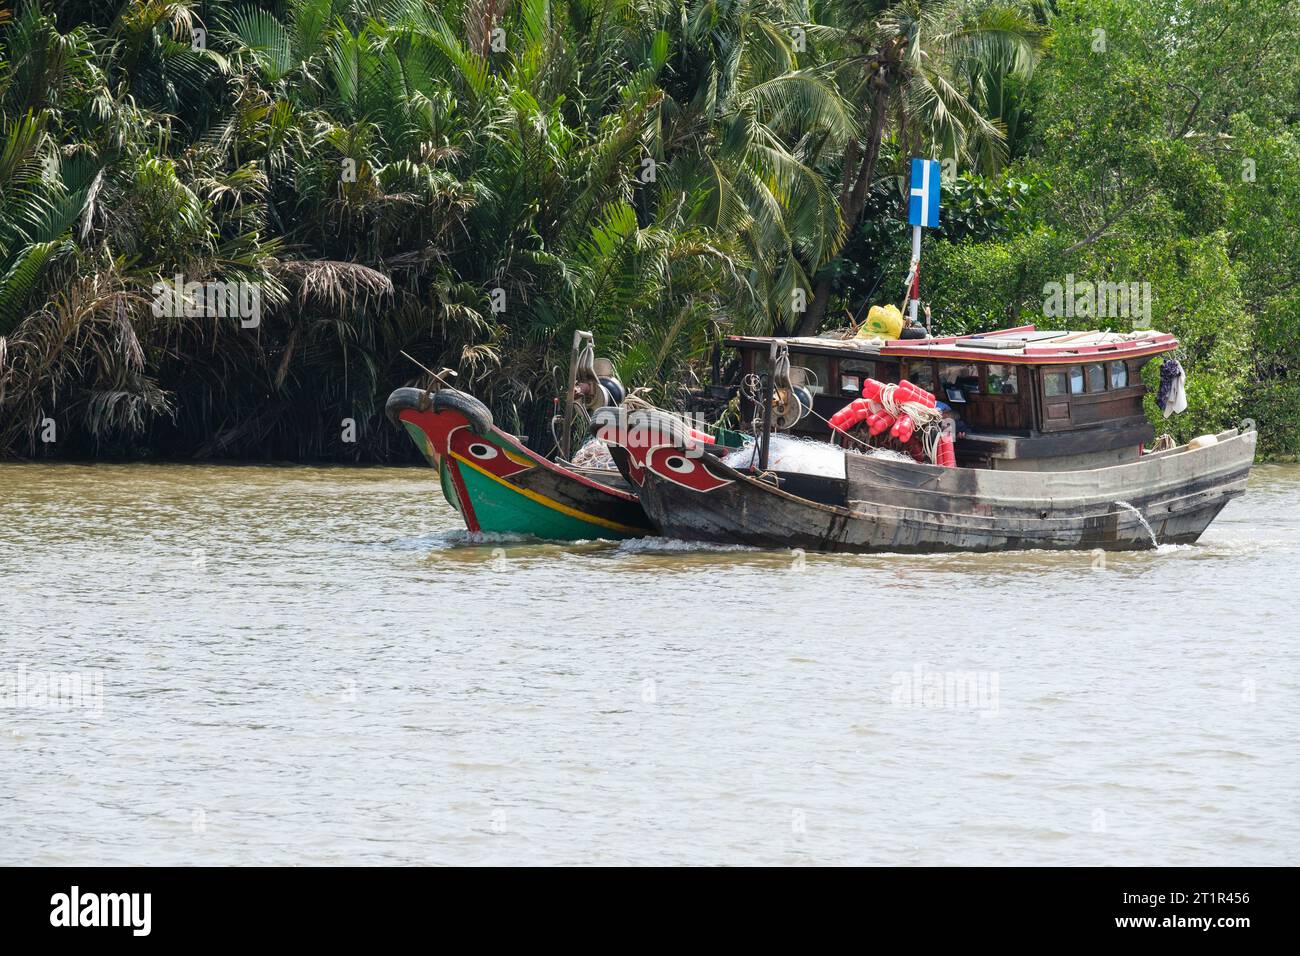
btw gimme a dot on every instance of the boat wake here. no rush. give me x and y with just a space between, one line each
460 538
655 545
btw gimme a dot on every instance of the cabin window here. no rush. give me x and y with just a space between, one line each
1076 380
811 371
1053 383
1002 379
1118 375
959 381
922 376
853 373
816 375
1096 375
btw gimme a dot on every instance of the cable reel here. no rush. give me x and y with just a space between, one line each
791 403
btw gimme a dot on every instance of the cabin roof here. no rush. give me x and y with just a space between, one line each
1023 345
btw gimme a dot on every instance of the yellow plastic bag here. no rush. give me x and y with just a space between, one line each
883 320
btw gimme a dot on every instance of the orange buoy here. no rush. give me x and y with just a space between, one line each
903 429
880 422
905 391
944 453
908 392
851 414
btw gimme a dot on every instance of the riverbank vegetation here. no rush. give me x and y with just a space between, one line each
471 180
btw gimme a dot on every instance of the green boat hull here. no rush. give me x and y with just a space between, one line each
500 486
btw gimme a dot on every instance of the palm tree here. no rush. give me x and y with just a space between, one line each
381 169
922 69
750 114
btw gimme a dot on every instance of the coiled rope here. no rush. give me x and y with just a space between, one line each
920 413
930 435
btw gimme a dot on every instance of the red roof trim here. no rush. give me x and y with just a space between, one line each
1152 343
982 355
1031 354
1045 354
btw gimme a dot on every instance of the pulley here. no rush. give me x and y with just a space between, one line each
790 405
596 384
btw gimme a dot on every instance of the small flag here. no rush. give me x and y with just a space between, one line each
923 208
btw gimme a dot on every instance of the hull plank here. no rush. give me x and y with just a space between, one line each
898 506
554 512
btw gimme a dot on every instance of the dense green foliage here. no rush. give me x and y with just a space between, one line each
1164 147
471 180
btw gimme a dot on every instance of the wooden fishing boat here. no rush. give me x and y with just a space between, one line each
1052 457
500 485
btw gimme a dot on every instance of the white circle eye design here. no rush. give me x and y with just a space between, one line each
481 450
677 463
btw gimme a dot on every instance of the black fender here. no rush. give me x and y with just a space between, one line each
447 399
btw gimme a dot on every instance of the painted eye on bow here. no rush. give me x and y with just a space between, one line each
482 451
677 466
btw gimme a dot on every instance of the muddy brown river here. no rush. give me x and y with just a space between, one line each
237 665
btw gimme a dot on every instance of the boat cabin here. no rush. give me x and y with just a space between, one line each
1030 400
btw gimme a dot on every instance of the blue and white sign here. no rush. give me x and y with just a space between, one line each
923 208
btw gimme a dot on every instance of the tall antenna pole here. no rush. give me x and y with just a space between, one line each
915 291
